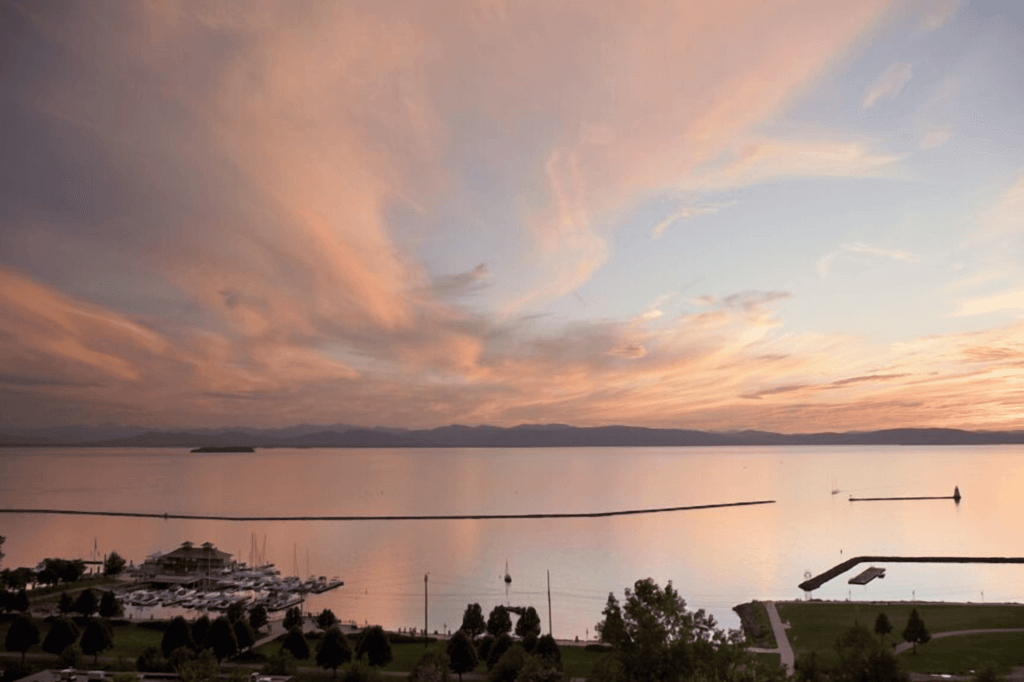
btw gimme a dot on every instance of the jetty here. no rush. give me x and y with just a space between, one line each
867 576
819 580
955 497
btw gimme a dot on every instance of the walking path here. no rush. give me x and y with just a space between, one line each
782 641
904 646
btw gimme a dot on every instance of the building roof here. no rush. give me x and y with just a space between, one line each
203 553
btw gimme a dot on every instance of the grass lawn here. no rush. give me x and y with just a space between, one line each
129 640
817 625
966 654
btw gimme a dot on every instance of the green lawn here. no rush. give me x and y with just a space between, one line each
129 640
816 625
966 654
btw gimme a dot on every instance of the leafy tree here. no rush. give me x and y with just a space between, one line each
200 632
222 639
66 604
87 603
507 668
2 540
98 637
281 663
202 668
499 622
659 639
461 652
235 612
244 633
114 564
473 623
547 648
528 625
295 643
375 645
483 647
806 668
862 659
333 650
21 603
258 617
882 626
432 666
325 620
22 635
47 576
6 599
63 633
608 669
71 657
181 657
18 578
152 660
292 617
110 605
498 649
66 570
916 632
612 629
177 634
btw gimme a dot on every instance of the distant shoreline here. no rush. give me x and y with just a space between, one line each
525 436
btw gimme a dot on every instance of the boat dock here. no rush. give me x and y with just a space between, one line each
867 576
822 578
955 497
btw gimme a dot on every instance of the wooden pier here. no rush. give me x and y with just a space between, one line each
819 580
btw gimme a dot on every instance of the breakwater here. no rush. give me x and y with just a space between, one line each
388 517
819 580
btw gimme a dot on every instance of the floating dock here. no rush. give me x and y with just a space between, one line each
955 497
867 576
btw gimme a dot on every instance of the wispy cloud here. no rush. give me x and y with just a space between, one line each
934 138
825 262
938 13
889 84
687 211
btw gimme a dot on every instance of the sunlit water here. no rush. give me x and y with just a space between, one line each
715 558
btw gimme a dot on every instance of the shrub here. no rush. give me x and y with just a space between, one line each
359 672
151 660
16 671
507 668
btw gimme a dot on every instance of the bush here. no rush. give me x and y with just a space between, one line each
483 647
151 660
359 672
432 666
507 668
281 663
498 649
608 669
71 657
598 648
539 670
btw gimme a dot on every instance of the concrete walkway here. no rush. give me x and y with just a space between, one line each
781 640
906 646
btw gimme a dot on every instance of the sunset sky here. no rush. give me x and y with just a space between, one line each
795 215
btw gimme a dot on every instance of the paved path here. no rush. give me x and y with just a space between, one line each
905 646
781 640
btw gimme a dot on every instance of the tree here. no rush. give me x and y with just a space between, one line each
66 604
113 564
244 634
528 625
200 632
98 637
501 645
222 639
461 652
915 632
110 605
375 645
333 650
21 603
63 633
473 623
71 657
547 648
235 612
2 540
87 603
202 668
325 620
499 622
292 617
863 659
295 643
177 634
152 660
22 635
612 629
882 626
258 617
506 668
659 639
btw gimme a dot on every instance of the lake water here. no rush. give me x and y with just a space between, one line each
715 558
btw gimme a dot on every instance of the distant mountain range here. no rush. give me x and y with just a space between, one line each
456 436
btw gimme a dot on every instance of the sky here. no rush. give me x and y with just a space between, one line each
793 216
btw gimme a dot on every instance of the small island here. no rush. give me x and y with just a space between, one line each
224 448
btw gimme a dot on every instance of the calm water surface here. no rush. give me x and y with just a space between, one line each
715 558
